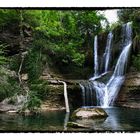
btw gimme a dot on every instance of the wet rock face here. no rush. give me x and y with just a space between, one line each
129 96
55 98
89 113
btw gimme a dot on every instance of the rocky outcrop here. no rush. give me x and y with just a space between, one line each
55 98
129 96
13 104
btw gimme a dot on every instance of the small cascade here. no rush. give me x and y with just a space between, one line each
107 54
83 94
90 98
96 56
65 96
106 93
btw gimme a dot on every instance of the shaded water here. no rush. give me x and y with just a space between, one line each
48 121
119 119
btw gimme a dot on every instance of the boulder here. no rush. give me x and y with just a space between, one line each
89 113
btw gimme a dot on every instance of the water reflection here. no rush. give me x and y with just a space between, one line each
67 116
122 119
112 122
91 123
118 119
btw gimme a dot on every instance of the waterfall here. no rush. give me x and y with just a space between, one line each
83 94
88 94
65 96
114 84
108 51
106 56
95 56
107 93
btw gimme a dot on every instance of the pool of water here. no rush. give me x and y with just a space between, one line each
118 119
48 121
125 119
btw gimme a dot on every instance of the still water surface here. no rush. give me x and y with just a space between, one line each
119 119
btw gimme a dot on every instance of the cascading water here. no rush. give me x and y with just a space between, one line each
107 54
95 56
114 84
90 98
107 93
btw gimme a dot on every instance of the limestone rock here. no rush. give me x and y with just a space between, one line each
24 77
89 113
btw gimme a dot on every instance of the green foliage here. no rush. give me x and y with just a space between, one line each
8 17
127 15
33 65
38 92
40 87
3 59
4 91
63 33
8 87
33 102
115 25
136 62
124 14
90 22
14 63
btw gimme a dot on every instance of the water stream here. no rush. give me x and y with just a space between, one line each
96 65
107 54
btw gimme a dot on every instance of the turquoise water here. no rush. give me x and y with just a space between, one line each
120 119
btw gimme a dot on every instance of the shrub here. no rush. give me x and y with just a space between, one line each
40 87
8 87
33 102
